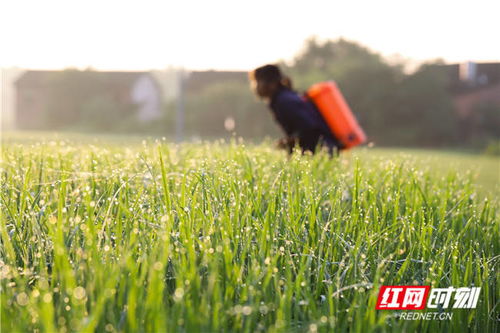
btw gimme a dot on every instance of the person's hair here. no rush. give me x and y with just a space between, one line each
271 73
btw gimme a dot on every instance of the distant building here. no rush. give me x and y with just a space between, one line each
467 101
37 91
472 84
8 97
479 85
475 88
199 80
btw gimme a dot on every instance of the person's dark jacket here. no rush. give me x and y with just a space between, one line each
300 119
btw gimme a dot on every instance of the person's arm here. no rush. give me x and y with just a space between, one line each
296 119
288 142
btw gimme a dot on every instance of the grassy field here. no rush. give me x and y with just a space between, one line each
155 237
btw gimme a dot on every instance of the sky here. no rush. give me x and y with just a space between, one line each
237 35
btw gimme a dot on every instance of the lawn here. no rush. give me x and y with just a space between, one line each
149 236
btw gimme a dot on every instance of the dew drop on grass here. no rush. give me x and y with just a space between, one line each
47 298
246 310
178 294
79 293
22 299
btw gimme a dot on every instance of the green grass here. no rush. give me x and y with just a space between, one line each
155 237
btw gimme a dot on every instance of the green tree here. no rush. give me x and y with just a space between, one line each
392 107
425 108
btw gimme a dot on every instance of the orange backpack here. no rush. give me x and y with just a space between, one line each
337 114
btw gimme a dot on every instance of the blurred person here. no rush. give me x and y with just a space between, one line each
298 117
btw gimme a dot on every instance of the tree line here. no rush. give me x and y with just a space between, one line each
394 107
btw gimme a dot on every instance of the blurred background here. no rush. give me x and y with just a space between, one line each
416 74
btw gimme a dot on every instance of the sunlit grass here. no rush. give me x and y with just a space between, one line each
151 236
